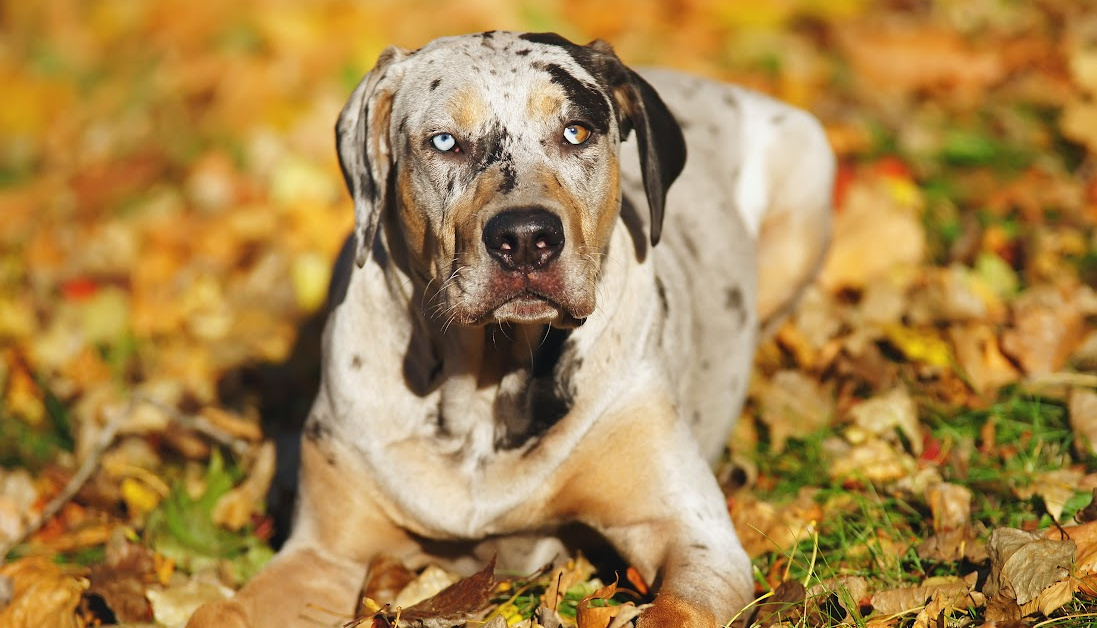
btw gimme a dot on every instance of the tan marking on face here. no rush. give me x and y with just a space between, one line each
468 109
413 222
545 101
606 218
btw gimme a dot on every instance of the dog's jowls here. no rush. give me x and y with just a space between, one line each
538 329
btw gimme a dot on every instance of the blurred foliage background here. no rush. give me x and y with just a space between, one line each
170 205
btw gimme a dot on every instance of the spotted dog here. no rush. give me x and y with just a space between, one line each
539 332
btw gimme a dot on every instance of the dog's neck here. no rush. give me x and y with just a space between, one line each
516 374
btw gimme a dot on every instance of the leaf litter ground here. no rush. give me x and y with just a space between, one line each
918 448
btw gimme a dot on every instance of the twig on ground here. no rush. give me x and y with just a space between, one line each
76 482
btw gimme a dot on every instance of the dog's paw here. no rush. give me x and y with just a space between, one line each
223 614
669 610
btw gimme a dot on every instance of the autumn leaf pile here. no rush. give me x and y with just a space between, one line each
918 449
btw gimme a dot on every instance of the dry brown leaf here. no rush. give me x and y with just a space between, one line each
1082 408
174 604
849 591
1024 564
909 56
953 545
764 527
385 578
430 582
120 582
981 358
454 604
946 600
589 616
785 605
17 498
565 577
950 505
885 414
235 509
793 404
1045 331
1085 536
874 212
43 596
874 461
956 294
1055 488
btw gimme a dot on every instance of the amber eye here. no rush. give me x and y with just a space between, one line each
576 134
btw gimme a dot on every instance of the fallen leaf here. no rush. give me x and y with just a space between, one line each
1055 488
120 582
454 604
173 605
873 213
875 461
1046 328
1082 408
236 508
385 578
923 345
981 358
946 601
563 578
890 413
953 545
793 404
950 505
764 527
786 605
44 595
594 610
432 581
1024 564
904 57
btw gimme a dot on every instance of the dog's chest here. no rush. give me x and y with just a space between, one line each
506 400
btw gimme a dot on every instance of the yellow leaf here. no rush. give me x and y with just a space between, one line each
140 499
919 345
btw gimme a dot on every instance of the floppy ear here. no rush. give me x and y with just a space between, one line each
662 147
365 150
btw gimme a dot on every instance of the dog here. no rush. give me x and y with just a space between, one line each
518 346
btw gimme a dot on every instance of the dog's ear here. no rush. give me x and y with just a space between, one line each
365 149
662 147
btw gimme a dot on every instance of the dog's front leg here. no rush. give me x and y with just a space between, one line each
316 578
642 483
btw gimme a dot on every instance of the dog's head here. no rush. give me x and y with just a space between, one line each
496 157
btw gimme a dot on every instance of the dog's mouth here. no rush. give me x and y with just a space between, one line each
528 307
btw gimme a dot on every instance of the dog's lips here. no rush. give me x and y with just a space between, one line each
527 308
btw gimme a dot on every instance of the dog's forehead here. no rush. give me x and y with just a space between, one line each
498 70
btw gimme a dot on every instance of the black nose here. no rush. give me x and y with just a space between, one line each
524 239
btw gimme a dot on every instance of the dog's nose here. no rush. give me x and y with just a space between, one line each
524 239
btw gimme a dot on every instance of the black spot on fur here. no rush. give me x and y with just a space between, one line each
661 291
523 52
356 362
733 302
510 178
550 39
435 83
318 432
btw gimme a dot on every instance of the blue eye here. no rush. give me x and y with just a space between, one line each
444 142
576 134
